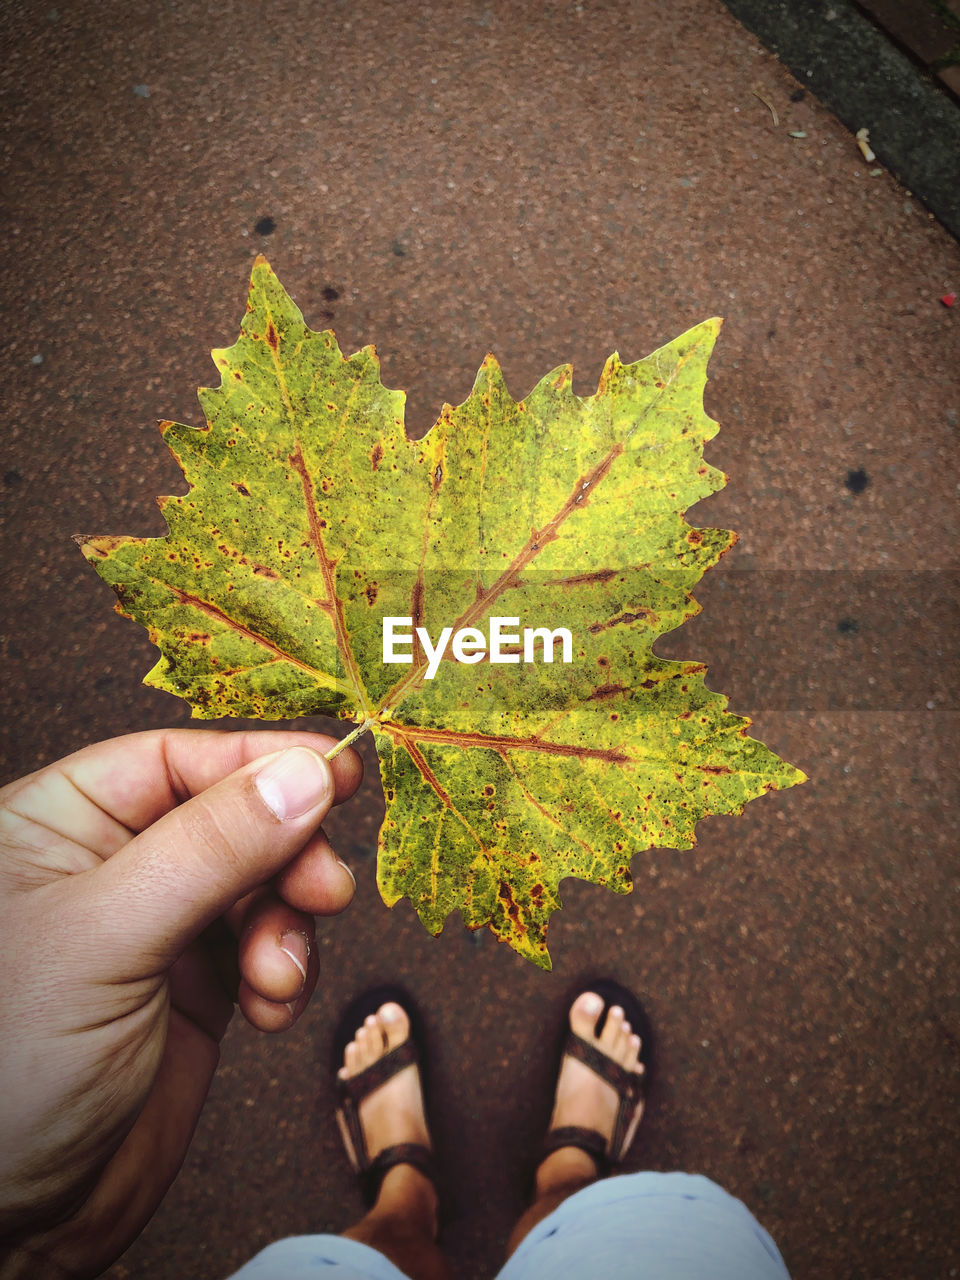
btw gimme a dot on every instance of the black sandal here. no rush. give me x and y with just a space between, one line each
631 1088
352 1091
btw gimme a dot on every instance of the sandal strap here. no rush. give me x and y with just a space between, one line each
629 1087
628 1084
360 1086
352 1092
413 1153
574 1135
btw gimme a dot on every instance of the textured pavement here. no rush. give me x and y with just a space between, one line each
550 182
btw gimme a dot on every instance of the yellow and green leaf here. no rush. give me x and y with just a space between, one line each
310 517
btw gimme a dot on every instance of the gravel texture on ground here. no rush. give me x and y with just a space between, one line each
550 182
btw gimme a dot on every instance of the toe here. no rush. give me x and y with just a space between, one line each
584 1013
370 1042
351 1058
612 1029
624 1053
395 1024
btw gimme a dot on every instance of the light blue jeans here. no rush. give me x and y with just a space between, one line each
640 1226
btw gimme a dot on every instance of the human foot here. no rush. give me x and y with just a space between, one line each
381 1115
599 1097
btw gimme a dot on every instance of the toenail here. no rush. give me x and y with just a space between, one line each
389 1013
592 1003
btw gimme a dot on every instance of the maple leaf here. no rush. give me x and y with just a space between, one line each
310 517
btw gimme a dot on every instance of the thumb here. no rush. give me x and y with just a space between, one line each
162 889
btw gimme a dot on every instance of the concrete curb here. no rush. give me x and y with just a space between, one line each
855 71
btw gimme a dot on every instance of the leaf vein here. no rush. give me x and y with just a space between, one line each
431 779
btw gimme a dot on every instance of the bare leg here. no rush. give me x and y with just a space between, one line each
402 1224
582 1099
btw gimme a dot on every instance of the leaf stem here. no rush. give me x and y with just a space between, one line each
345 742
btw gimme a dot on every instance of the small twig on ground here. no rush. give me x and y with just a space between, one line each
767 103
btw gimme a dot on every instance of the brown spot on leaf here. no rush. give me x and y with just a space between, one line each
371 591
241 488
505 894
376 457
714 768
272 335
621 619
263 572
606 691
598 575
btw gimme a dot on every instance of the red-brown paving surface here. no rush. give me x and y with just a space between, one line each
550 182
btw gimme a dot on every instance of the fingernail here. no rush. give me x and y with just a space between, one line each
592 1002
294 782
347 870
296 946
